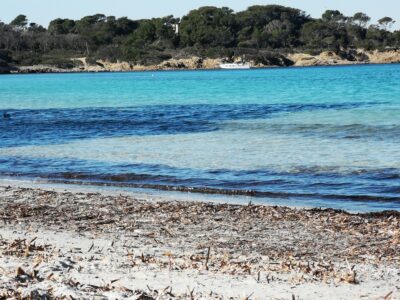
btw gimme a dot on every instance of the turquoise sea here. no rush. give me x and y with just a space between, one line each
328 136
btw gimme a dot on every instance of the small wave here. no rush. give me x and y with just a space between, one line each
238 192
317 191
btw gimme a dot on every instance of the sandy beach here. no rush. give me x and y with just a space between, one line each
199 150
69 244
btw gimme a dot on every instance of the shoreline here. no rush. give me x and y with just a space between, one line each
146 193
71 243
324 59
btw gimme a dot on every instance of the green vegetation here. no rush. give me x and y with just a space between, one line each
260 32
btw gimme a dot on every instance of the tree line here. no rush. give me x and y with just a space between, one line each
206 32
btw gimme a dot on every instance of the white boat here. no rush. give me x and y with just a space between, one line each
235 66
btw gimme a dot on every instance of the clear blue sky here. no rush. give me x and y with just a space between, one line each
42 11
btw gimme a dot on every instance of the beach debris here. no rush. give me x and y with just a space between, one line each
22 248
20 272
91 247
207 258
388 296
269 243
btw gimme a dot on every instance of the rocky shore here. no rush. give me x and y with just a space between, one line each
75 244
327 58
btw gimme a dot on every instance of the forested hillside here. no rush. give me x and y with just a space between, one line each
260 32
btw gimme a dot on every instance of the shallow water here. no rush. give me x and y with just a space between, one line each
327 134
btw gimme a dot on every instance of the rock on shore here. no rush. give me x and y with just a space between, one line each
358 56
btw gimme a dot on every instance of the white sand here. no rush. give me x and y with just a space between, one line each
106 263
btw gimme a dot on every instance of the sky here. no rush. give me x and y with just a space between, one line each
43 11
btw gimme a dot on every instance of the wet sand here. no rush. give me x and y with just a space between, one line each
79 244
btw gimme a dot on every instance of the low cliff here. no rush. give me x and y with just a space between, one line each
349 57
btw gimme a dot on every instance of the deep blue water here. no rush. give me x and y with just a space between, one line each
324 134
